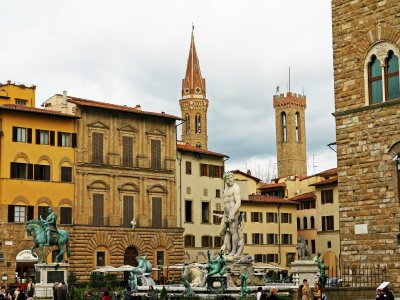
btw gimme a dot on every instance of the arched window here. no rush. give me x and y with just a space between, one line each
198 124
297 127
382 81
198 145
305 223
284 129
375 80
392 75
312 222
187 124
298 223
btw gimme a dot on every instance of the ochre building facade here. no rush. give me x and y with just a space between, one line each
125 177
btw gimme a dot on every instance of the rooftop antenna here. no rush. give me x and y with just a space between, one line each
277 89
289 79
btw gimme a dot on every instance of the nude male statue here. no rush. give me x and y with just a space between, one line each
230 219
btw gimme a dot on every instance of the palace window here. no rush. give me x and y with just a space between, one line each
298 223
286 239
272 217
42 172
66 215
382 73
217 241
286 218
198 124
266 258
312 222
43 137
305 225
188 167
206 241
97 148
20 213
188 211
257 238
155 154
256 217
21 134
205 212
189 240
66 174
327 223
127 214
127 151
216 219
272 238
327 196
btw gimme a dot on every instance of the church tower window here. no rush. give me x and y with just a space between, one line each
375 81
187 124
198 124
297 127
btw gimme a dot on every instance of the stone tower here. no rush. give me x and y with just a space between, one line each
194 104
366 57
290 134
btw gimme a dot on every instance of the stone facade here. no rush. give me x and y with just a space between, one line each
290 134
365 134
125 172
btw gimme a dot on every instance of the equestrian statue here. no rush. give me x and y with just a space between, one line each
46 234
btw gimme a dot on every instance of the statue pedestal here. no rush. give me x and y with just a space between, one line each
304 269
46 276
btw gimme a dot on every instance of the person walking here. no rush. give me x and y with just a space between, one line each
300 290
106 296
259 292
151 294
317 292
62 291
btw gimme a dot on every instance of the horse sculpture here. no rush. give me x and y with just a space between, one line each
36 229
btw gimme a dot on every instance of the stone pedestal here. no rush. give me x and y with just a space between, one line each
304 269
235 269
46 276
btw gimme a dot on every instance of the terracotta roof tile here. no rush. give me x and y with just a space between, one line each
184 147
326 181
104 105
269 199
305 196
328 172
271 185
30 109
245 174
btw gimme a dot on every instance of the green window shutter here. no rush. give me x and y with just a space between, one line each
52 138
37 137
29 139
15 134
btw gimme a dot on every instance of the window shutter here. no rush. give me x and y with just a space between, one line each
97 147
290 218
30 212
157 212
15 134
13 172
37 138
59 139
52 138
128 210
10 213
46 173
30 135
36 171
30 171
323 223
66 215
127 151
261 217
98 209
74 140
156 154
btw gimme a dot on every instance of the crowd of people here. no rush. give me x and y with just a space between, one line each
18 293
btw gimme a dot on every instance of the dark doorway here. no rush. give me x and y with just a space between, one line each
130 259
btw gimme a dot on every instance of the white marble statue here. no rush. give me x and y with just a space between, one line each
230 230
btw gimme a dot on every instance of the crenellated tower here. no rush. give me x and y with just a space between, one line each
290 134
194 104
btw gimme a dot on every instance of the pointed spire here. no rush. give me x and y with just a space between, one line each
193 82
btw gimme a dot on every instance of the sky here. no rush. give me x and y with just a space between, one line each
132 52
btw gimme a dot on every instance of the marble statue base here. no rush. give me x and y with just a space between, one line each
235 269
46 276
304 269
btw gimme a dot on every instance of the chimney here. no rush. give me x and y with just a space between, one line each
249 172
138 107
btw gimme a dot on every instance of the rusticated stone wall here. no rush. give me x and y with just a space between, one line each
368 191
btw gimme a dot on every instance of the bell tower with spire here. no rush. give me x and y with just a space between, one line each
194 103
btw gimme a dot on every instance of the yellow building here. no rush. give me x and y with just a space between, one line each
36 171
327 199
20 94
200 189
270 229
